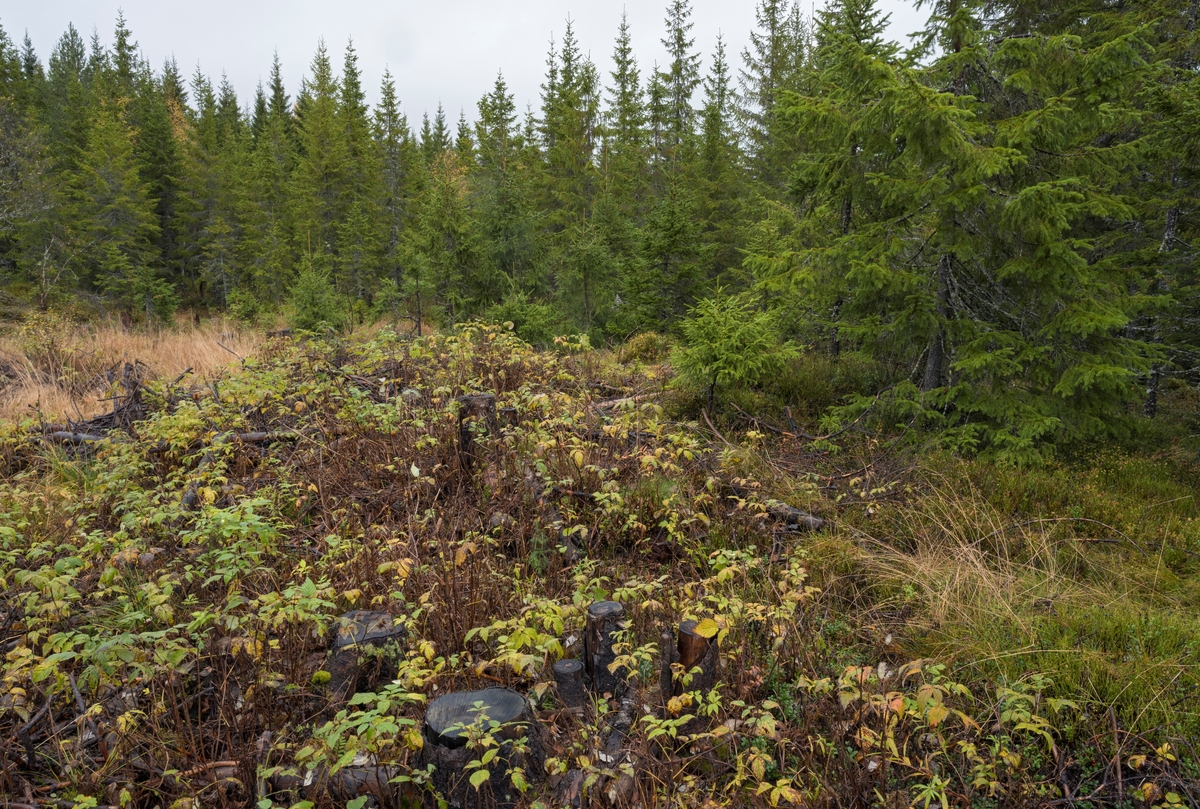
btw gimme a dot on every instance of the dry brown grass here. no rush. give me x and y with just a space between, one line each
51 366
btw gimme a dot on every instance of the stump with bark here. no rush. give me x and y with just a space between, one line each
604 620
691 651
504 715
354 665
472 408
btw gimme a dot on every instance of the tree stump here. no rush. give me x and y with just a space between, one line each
568 679
446 746
474 407
357 631
697 651
604 620
690 651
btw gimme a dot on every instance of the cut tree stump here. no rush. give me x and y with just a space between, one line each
474 407
568 679
446 720
690 651
357 631
604 620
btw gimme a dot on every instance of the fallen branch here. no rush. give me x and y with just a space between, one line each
74 439
610 404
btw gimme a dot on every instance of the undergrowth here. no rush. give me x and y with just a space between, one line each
959 633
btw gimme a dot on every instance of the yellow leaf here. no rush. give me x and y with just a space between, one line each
936 714
403 568
577 457
250 647
462 553
707 628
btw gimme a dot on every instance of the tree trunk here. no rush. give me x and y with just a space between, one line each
1150 409
357 631
935 360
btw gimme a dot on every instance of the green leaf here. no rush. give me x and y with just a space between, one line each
478 777
357 803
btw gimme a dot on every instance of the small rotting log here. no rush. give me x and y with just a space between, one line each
343 786
782 512
792 516
446 737
568 788
568 679
604 620
357 631
474 407
74 439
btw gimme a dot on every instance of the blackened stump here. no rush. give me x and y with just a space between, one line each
351 667
568 678
474 407
522 743
604 620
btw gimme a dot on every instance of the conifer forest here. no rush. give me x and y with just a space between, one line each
814 425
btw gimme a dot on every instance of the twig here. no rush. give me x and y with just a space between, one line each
716 432
212 765
87 719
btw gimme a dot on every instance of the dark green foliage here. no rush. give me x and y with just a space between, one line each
1001 221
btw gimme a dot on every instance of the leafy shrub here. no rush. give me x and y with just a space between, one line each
727 342
648 347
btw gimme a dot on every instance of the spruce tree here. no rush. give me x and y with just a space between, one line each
321 172
681 78
624 135
509 225
400 182
719 176
112 212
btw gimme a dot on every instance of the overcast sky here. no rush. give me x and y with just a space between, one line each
444 51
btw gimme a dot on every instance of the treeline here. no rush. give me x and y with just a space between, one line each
1002 215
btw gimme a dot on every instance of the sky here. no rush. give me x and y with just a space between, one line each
439 51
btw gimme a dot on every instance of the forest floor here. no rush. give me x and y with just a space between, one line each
880 622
